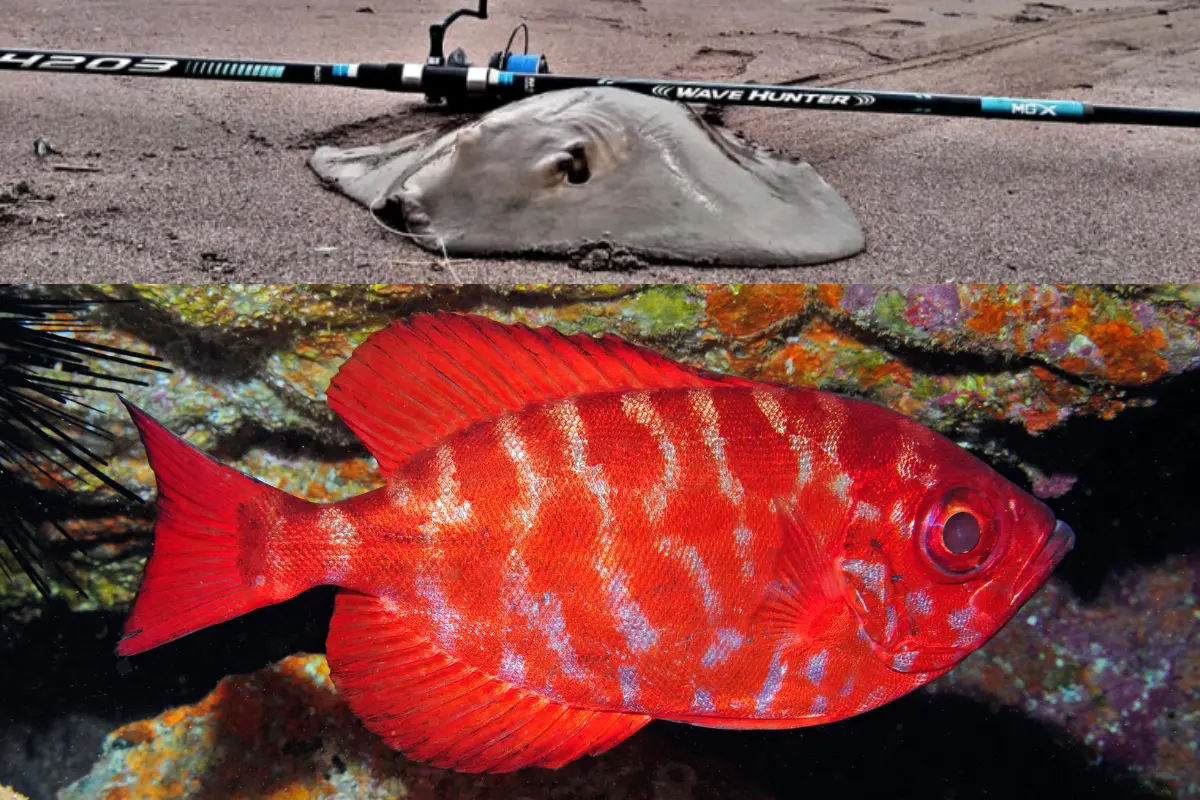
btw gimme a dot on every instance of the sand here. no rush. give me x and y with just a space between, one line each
204 181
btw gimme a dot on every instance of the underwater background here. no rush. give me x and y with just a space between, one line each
1088 395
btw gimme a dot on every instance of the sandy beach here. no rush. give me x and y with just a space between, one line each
205 181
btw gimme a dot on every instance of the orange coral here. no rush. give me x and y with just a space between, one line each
316 492
993 309
830 294
357 470
1131 357
745 309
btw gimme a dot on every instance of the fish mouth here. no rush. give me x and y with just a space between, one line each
1060 542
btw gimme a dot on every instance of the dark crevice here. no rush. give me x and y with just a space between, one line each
224 353
1135 501
920 746
207 352
929 359
54 509
289 443
936 360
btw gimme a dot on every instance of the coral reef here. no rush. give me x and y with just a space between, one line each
955 356
284 732
984 364
952 356
1121 674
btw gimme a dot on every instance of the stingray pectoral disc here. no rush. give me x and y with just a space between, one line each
555 174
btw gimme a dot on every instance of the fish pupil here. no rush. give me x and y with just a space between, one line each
960 533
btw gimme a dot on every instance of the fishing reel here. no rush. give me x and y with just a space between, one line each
524 62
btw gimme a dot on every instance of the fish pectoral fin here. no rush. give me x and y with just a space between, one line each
806 586
436 709
430 375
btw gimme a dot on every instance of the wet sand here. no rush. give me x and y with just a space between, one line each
204 181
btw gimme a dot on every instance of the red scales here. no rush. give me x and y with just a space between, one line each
577 536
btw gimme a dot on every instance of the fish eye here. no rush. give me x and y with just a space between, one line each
961 533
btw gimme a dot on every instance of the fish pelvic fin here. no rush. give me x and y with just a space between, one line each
432 374
436 709
206 564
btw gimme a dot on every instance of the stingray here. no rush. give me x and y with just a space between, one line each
570 171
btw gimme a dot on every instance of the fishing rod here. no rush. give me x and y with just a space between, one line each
454 82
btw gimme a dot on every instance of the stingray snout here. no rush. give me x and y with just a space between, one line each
400 212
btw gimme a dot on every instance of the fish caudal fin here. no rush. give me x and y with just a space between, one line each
194 577
435 709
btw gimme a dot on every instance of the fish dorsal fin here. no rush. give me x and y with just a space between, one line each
436 709
425 377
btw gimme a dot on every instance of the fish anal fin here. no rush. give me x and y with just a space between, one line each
438 710
429 375
806 588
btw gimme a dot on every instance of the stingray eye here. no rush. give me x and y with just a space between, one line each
575 165
961 533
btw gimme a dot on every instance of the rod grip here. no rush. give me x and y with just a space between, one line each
444 81
389 77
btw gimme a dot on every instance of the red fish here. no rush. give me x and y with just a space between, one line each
577 536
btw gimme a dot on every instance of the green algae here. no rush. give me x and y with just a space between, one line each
662 311
888 313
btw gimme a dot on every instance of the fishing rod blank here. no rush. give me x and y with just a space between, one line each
509 76
511 85
463 83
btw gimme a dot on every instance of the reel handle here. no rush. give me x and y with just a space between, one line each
437 31
437 42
